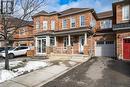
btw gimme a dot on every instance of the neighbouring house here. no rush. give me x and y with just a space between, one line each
66 32
121 11
24 35
20 32
105 37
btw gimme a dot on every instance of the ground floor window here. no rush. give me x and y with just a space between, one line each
65 42
52 41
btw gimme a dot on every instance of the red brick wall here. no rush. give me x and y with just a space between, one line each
120 36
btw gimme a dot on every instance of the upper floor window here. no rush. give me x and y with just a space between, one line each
106 24
126 12
93 22
64 24
45 25
37 25
22 31
52 25
72 22
82 21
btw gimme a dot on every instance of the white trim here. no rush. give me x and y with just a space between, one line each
80 21
69 40
123 12
55 41
53 24
85 39
37 53
71 21
122 48
45 24
47 40
63 24
80 43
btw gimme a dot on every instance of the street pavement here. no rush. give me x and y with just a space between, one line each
97 72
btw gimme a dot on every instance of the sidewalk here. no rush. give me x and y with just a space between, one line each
40 77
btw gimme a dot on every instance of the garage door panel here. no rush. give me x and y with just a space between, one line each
106 49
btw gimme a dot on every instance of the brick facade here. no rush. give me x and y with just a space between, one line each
122 33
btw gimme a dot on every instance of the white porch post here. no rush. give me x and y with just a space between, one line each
85 37
47 41
36 44
69 44
55 41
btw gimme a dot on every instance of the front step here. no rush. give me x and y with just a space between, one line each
41 57
66 56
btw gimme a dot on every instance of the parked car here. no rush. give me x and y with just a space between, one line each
3 48
17 51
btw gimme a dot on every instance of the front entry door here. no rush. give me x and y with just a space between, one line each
81 44
126 49
41 46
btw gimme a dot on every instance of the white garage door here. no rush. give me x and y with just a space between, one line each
105 48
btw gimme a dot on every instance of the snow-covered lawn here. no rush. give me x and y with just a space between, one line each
19 68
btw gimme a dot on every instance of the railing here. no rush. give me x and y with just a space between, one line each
63 50
121 26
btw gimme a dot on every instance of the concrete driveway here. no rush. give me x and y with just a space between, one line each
98 72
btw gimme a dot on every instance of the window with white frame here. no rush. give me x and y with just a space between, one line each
82 21
37 25
106 24
22 31
93 21
126 12
52 25
45 25
64 24
72 22
52 41
65 42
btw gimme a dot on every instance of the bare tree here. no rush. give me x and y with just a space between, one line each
23 9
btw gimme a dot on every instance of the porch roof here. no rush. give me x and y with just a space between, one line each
73 31
24 39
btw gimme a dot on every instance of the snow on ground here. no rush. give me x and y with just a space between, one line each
30 66
12 64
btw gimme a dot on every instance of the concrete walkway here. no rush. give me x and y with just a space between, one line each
40 77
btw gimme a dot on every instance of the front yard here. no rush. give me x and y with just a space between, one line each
22 66
18 68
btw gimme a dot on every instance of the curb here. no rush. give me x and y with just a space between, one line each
58 75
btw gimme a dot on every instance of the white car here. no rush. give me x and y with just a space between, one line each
18 51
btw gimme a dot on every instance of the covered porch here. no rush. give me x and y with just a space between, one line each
77 41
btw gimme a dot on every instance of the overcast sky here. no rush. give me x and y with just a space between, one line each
59 5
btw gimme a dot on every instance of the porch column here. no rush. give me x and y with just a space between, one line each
85 39
69 43
47 41
55 41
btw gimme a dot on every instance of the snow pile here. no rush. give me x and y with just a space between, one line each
6 75
30 66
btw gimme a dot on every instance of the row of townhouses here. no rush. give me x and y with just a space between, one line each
79 31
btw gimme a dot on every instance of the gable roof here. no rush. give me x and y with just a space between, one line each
74 11
103 15
63 13
44 13
13 22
